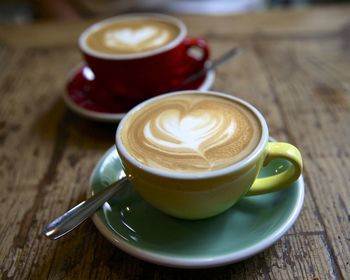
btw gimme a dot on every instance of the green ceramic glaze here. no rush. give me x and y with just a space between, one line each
250 226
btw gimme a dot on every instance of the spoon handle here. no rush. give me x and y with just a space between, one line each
211 66
78 214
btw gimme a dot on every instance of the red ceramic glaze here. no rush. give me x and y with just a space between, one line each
141 78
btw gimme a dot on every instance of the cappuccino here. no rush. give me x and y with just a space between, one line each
191 133
132 36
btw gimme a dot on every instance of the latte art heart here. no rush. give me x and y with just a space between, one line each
132 36
144 37
191 133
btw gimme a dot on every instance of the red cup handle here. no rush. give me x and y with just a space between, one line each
193 42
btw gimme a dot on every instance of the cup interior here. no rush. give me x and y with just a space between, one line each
133 17
258 150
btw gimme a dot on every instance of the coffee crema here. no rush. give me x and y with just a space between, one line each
191 133
132 36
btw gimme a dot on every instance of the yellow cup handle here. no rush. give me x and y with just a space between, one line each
278 150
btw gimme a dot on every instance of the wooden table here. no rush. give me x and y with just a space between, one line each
295 68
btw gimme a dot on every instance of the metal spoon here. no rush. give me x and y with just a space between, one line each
78 214
210 66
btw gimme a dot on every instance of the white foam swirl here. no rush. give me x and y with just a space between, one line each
143 37
191 133
195 132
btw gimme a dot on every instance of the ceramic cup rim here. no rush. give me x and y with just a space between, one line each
166 18
258 150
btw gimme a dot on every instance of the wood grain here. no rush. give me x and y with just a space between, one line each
295 69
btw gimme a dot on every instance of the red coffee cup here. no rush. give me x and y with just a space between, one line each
138 76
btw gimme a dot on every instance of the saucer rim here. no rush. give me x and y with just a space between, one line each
193 262
113 117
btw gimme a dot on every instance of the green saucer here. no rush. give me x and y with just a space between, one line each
250 226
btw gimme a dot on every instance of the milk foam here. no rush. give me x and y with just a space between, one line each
132 36
143 38
191 133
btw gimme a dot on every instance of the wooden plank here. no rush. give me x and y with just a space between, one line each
292 23
290 258
309 21
298 78
313 96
